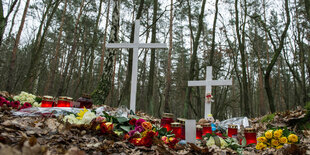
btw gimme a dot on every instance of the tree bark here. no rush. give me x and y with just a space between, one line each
15 48
168 83
194 60
101 93
4 20
213 35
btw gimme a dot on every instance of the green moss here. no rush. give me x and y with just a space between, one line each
304 126
268 118
307 106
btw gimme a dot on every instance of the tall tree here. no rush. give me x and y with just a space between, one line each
15 48
194 60
101 93
213 34
4 19
241 42
168 80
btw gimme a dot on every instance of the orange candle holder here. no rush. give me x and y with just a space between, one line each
47 101
206 128
198 132
182 122
250 136
166 121
232 130
69 100
176 129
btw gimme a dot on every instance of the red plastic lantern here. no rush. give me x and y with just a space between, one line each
206 128
182 122
250 136
47 101
166 121
232 130
62 101
176 129
198 132
69 100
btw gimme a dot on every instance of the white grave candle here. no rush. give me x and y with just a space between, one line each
190 131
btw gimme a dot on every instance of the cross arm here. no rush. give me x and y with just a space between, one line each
197 83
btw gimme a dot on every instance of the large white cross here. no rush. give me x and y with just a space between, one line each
135 45
208 83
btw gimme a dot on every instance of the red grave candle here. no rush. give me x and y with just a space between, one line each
47 101
232 130
198 132
69 100
176 129
182 122
62 101
250 136
206 128
166 121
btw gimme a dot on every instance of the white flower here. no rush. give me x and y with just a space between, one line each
88 117
71 119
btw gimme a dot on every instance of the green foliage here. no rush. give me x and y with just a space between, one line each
307 106
38 99
234 144
268 118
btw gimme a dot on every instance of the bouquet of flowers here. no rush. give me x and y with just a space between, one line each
276 139
83 117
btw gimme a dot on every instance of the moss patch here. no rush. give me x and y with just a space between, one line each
268 118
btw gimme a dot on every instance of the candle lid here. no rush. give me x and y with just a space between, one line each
168 115
86 95
206 125
199 127
232 126
249 130
69 98
62 98
47 98
181 120
175 124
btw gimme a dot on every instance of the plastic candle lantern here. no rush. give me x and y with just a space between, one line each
85 101
198 132
206 128
166 121
62 101
250 136
176 129
47 101
182 122
232 130
69 100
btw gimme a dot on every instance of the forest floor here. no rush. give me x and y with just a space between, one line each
49 135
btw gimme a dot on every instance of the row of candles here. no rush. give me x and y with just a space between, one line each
178 128
63 101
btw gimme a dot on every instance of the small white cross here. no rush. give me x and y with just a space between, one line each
208 83
135 45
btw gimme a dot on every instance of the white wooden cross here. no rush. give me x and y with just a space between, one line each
208 83
135 45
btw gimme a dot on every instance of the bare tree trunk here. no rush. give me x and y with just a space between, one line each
101 93
213 35
105 38
4 20
168 83
71 53
15 48
54 64
194 61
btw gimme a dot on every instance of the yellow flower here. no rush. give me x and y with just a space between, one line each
81 113
279 147
98 127
283 140
277 134
274 142
268 134
262 139
260 146
293 138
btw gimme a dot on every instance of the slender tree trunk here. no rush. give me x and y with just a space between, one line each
168 83
150 95
105 38
4 20
193 62
13 19
213 35
54 64
101 93
72 52
275 57
15 48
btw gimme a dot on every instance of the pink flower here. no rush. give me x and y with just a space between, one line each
26 105
100 119
8 103
139 122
